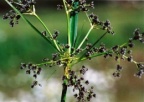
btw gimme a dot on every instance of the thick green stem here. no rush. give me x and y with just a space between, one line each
64 91
65 82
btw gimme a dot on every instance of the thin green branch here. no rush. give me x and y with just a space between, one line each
68 25
55 43
85 37
92 56
88 18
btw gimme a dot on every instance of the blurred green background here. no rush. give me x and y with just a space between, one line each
22 44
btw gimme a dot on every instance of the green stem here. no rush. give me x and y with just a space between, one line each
92 56
68 25
85 37
64 91
47 31
88 18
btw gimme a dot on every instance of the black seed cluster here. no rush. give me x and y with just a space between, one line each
107 26
94 19
130 58
90 50
138 36
78 84
55 56
24 6
32 69
140 70
117 73
12 16
76 6
88 46
55 35
44 33
124 52
102 48
59 7
103 25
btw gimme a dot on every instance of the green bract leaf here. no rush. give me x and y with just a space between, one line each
74 25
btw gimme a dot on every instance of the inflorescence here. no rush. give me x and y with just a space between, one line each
79 85
23 6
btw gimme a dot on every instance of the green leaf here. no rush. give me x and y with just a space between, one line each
93 46
74 25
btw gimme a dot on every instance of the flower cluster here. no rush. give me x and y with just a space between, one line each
23 6
78 84
118 70
76 6
124 52
14 17
32 69
140 70
138 36
103 25
126 49
95 50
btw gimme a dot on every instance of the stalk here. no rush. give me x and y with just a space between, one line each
68 25
64 91
85 37
65 81
55 43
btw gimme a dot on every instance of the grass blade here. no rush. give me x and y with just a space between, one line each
73 25
93 46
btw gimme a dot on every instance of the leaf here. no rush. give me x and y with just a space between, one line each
74 25
93 46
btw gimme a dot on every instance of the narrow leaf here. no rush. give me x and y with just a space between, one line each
73 24
93 45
